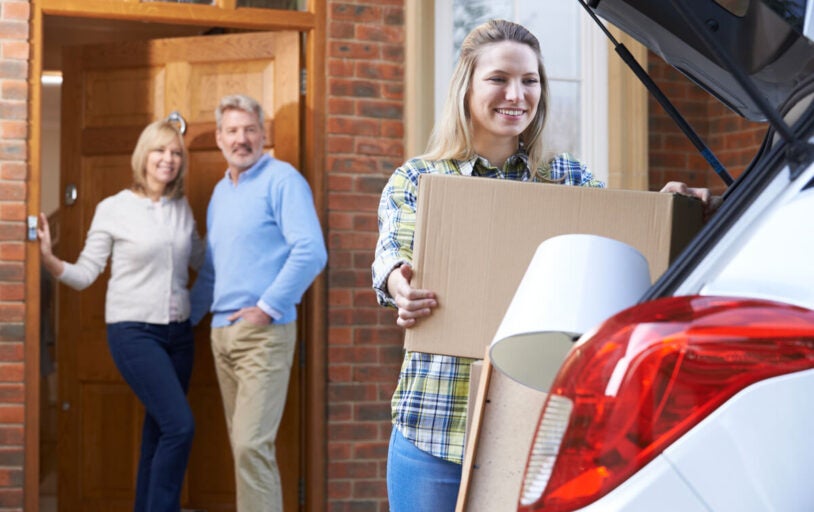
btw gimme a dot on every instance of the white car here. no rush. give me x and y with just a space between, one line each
700 398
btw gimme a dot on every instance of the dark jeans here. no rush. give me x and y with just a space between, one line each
156 361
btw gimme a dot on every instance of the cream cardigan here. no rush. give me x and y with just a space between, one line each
151 258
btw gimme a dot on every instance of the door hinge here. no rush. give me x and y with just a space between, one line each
303 80
301 491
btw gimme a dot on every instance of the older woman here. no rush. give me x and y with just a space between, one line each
150 233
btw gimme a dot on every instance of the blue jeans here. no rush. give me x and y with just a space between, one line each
418 481
156 361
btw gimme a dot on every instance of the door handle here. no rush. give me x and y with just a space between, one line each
178 119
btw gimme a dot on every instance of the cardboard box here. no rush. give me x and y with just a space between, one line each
475 237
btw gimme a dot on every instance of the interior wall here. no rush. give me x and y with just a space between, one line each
49 154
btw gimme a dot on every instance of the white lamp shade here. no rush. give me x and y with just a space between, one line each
573 283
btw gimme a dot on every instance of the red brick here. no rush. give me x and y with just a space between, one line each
10 191
339 336
15 11
14 150
340 144
339 260
11 292
379 71
10 414
341 30
13 171
11 435
339 489
353 125
366 223
11 498
12 332
370 489
12 211
11 477
380 109
14 69
341 106
13 313
339 373
12 251
343 183
374 374
340 221
394 16
11 230
352 163
354 88
379 146
381 335
13 129
355 241
350 392
393 91
380 33
12 393
392 129
364 298
348 50
341 68
354 13
18 50
14 29
11 271
351 469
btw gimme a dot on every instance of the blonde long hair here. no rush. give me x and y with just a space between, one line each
452 135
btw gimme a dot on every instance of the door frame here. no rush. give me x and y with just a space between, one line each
311 23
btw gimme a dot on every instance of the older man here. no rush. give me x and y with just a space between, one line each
264 248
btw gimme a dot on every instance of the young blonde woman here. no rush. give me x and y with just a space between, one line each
149 231
491 127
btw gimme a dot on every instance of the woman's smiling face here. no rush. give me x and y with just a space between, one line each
504 93
162 166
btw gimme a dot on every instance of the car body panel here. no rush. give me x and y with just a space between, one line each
777 261
751 455
754 453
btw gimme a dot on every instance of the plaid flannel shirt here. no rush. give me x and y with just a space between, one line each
430 400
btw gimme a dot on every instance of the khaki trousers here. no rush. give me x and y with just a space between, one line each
253 364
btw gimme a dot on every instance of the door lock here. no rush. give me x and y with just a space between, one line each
71 193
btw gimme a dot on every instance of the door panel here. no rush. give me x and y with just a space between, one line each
110 92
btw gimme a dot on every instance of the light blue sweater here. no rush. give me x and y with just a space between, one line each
264 244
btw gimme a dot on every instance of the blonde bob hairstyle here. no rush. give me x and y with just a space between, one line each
156 135
452 135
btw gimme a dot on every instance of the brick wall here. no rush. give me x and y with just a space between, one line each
365 131
14 54
731 138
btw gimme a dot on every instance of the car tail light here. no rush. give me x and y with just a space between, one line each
643 379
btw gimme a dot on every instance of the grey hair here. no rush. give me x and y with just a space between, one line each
238 102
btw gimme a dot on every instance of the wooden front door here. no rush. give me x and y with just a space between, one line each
110 93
